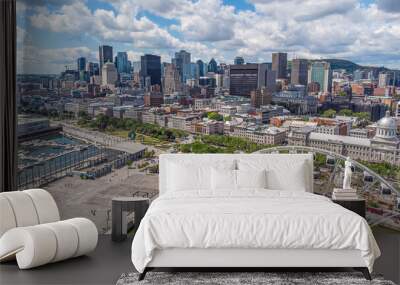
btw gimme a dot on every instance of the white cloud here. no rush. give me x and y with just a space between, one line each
31 59
210 28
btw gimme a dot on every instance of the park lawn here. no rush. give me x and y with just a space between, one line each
151 141
119 133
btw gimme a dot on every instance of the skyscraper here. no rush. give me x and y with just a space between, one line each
245 78
136 66
105 55
320 72
238 60
81 64
122 63
172 82
299 73
182 64
385 79
200 67
279 64
213 66
151 67
109 75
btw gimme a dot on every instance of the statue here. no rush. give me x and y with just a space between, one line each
347 174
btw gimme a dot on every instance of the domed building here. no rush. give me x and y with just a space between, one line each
384 146
386 131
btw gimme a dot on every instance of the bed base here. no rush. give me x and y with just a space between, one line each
363 270
250 259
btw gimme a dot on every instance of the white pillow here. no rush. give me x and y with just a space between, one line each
292 177
223 179
282 174
251 179
185 176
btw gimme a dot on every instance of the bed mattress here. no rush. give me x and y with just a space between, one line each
251 219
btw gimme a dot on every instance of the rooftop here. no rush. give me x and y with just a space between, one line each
342 139
24 119
129 147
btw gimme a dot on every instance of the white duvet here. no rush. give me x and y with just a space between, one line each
250 219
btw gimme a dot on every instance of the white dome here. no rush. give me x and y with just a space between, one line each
387 122
386 128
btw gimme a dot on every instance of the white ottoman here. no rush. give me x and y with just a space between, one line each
37 245
31 233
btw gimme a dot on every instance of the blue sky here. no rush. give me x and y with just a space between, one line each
53 33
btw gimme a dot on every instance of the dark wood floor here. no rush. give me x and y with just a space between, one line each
103 266
110 260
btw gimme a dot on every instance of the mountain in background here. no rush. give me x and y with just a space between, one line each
351 66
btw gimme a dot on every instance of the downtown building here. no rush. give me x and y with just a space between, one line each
320 72
208 127
105 55
259 134
122 63
260 96
384 146
279 64
171 79
299 73
182 63
150 69
109 75
244 78
296 101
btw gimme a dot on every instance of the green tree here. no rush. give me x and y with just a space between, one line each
362 116
329 113
215 116
345 112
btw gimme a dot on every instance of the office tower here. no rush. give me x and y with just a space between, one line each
244 78
96 68
299 74
385 79
360 74
238 60
136 66
109 74
81 64
193 71
260 96
321 73
105 55
182 62
92 68
151 67
172 82
279 64
213 66
122 63
200 67
270 80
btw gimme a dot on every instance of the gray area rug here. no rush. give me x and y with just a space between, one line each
236 278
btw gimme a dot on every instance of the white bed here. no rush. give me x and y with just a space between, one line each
197 222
